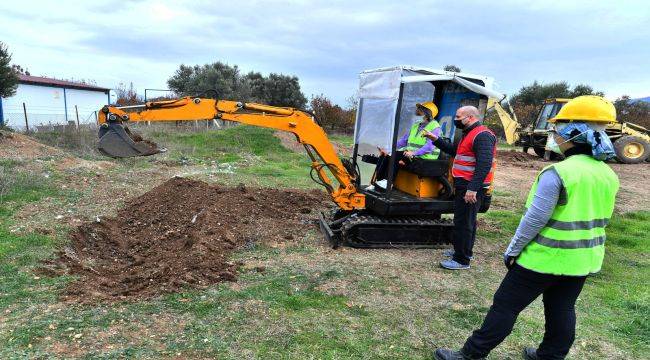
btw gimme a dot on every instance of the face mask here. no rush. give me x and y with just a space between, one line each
552 145
459 124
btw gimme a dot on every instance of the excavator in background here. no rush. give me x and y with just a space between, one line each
631 141
406 212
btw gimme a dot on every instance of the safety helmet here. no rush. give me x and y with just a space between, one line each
587 108
428 108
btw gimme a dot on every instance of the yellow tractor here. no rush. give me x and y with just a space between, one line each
631 141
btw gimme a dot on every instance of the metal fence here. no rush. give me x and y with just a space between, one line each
28 117
34 118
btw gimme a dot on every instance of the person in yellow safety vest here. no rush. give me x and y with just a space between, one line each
560 239
413 145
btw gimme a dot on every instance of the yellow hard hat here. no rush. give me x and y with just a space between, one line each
587 108
430 106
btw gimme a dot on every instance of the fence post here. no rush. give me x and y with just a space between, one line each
26 122
96 120
76 110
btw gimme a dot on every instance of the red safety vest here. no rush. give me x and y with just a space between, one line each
465 160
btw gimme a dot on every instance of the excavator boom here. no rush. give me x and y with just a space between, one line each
116 141
511 125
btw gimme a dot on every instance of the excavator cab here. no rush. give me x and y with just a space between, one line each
386 111
407 211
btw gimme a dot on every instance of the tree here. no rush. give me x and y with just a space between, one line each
536 93
276 89
527 100
223 78
453 68
127 96
637 112
582 89
332 116
19 70
284 90
257 84
8 76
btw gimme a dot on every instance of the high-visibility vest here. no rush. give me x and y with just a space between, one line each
416 140
465 159
573 240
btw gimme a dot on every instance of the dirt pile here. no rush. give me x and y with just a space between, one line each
20 147
180 234
517 158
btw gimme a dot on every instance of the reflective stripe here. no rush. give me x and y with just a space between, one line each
465 158
577 225
463 167
570 244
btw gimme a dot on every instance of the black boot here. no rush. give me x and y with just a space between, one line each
446 354
530 354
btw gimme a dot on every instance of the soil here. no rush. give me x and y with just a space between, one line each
180 234
518 158
516 171
20 147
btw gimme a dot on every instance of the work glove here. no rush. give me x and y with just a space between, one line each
509 261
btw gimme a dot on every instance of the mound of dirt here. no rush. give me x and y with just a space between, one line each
517 158
20 147
180 234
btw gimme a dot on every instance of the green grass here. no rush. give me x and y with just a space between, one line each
615 303
253 151
20 253
343 139
384 304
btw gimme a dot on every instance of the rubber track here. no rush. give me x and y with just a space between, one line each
350 228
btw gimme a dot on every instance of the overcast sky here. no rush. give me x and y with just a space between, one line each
327 43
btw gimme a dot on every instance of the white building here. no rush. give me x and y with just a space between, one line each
50 102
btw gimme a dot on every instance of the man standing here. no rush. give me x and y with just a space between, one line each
473 170
561 238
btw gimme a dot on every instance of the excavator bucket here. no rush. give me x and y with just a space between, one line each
115 140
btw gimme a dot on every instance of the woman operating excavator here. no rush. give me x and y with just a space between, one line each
412 146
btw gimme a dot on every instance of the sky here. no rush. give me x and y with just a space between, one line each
605 44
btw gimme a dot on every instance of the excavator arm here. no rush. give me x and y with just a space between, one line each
302 125
511 125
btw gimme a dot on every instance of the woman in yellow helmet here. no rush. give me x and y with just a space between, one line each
413 145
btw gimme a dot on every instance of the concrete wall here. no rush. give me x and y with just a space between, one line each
47 106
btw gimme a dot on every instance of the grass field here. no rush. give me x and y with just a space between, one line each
311 302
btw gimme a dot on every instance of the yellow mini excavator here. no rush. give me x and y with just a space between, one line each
406 212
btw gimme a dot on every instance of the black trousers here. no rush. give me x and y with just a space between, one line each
384 162
465 224
518 289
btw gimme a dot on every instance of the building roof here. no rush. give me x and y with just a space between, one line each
37 80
